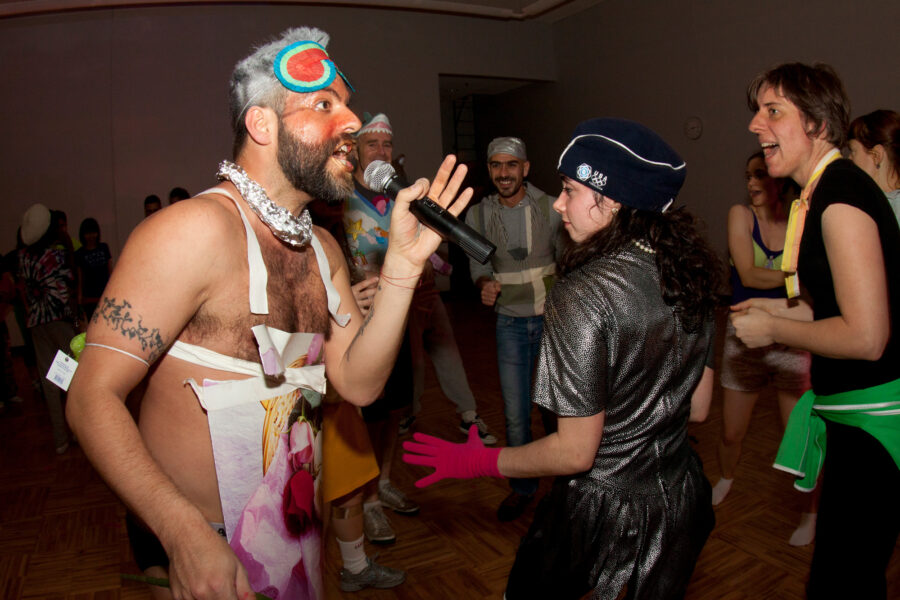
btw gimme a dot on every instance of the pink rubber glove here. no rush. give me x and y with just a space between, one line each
459 461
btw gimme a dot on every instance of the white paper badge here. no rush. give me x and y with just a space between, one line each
62 370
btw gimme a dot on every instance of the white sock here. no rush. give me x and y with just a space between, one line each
720 490
367 506
353 554
805 532
468 416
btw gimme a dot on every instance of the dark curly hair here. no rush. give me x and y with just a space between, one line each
691 275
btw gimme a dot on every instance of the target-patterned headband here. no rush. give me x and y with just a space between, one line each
304 66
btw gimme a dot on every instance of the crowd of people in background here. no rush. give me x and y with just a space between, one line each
51 284
606 300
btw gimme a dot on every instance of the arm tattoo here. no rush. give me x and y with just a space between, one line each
362 328
119 317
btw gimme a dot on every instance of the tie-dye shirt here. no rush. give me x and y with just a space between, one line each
49 284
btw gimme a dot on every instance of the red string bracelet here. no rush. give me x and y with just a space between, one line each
388 279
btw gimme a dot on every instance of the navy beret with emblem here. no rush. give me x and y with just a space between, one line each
624 161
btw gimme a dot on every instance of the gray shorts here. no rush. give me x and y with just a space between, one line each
751 369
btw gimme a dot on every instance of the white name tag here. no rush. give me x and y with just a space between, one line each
62 370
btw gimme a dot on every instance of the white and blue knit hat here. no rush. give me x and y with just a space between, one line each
624 161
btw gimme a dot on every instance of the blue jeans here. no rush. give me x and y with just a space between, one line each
518 342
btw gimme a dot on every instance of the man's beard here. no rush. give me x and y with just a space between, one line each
306 167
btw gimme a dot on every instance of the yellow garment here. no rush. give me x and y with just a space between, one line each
796 221
348 461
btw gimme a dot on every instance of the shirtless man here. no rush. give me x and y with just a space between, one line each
292 137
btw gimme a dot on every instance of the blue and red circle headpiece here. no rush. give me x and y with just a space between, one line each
305 66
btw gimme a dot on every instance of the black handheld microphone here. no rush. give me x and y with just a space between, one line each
381 177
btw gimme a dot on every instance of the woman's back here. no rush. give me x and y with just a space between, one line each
606 327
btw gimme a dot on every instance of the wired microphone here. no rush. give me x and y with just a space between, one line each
381 177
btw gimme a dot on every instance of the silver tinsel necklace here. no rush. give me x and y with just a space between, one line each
296 231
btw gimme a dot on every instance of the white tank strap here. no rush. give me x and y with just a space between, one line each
334 298
259 276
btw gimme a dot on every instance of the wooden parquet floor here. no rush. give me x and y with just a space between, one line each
62 534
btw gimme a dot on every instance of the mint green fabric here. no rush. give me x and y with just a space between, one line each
875 410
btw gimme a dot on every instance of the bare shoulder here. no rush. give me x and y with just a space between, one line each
170 266
740 219
192 235
740 214
195 221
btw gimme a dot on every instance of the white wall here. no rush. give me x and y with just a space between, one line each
102 108
660 62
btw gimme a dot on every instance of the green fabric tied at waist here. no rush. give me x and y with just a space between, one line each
875 410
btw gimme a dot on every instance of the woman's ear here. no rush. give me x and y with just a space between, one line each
878 153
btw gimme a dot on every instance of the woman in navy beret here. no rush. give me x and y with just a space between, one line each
625 363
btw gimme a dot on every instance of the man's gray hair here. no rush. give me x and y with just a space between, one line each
253 82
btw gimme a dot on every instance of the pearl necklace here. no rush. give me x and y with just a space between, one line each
644 246
296 231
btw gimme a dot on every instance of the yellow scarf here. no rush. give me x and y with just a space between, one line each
796 221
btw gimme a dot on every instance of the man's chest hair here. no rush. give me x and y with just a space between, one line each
297 297
297 302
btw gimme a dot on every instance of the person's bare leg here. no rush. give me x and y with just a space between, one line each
737 408
806 529
786 403
347 524
358 570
